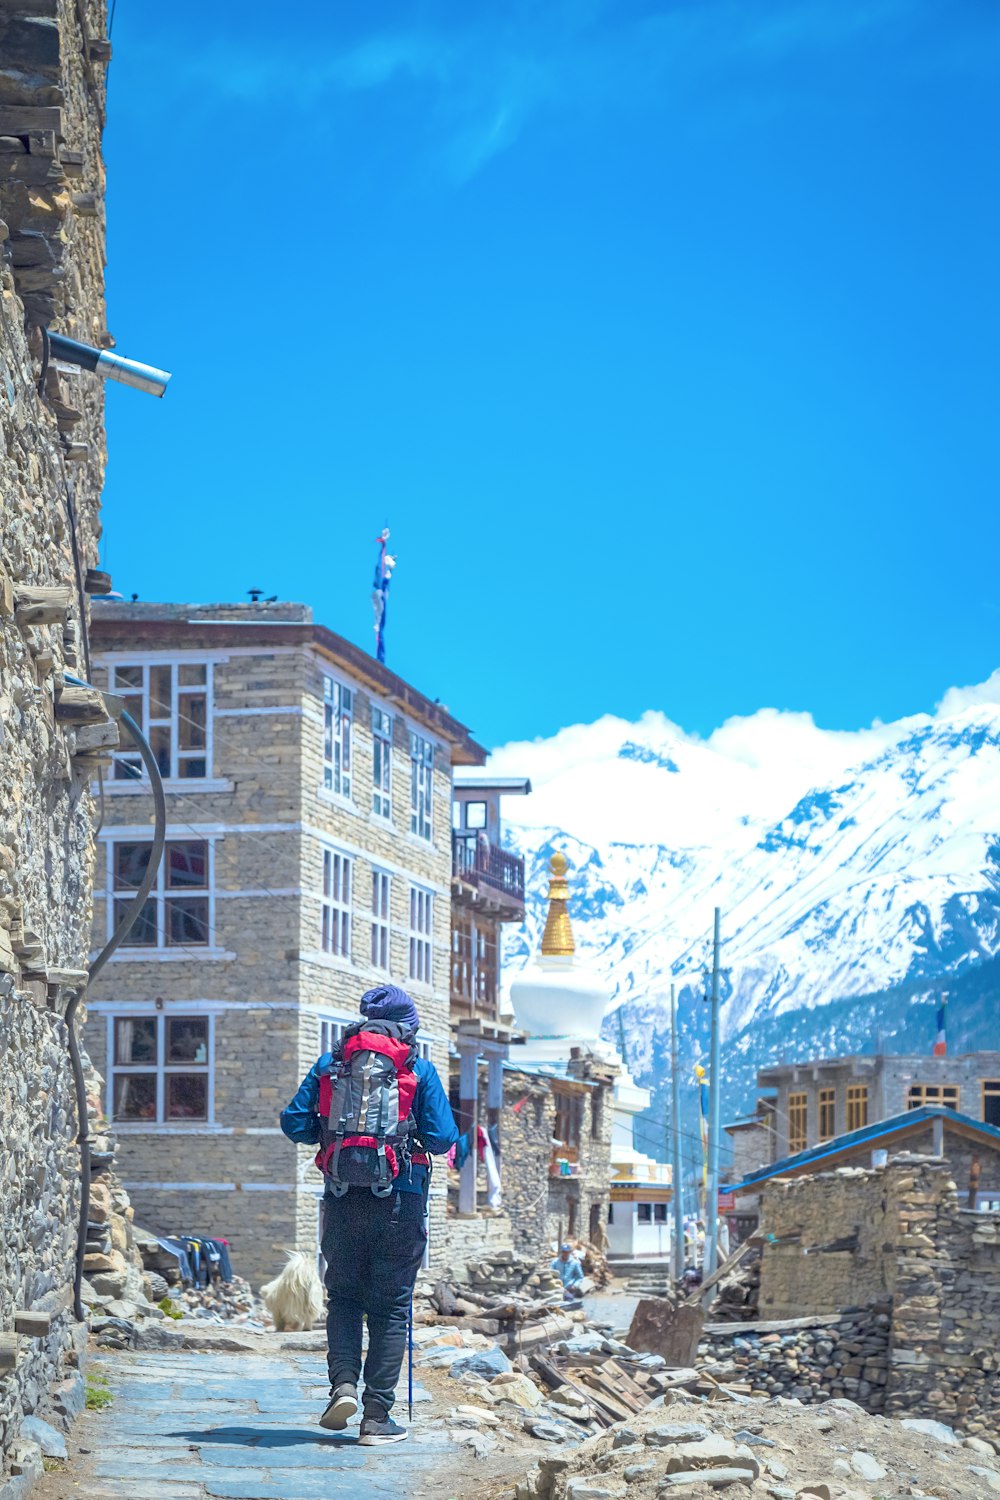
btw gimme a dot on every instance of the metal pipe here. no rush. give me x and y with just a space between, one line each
117 937
675 1144
110 366
714 1106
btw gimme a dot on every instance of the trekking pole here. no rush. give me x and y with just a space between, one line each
411 1360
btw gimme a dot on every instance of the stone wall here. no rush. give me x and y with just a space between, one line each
52 454
528 1122
944 1359
847 1355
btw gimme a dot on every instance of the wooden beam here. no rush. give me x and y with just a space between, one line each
8 1351
41 606
36 1325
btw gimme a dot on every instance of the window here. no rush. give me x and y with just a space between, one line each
336 903
942 1094
857 1106
991 1101
645 1215
797 1122
176 915
170 704
421 928
337 707
827 1108
330 1032
660 1213
569 1118
381 763
160 1069
421 785
475 815
380 919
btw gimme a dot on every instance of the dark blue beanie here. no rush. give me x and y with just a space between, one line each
390 1003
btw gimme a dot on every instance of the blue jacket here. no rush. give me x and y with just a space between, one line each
436 1128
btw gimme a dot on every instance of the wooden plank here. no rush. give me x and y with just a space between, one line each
41 606
22 119
8 1351
36 1325
727 1265
77 705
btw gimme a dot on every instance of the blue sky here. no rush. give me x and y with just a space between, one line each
663 336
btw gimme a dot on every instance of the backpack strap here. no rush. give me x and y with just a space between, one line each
338 1188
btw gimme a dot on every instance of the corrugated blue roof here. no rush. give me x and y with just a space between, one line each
873 1133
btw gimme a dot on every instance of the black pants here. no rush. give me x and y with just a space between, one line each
373 1248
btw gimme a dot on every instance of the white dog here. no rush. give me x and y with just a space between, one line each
295 1299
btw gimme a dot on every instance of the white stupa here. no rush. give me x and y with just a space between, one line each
560 1002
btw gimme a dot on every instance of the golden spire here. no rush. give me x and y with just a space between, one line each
557 939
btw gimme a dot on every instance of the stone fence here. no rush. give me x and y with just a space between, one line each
811 1359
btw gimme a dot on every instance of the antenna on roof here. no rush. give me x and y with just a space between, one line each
255 595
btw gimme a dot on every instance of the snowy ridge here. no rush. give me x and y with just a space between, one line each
846 865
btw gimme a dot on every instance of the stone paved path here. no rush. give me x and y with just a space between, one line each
194 1426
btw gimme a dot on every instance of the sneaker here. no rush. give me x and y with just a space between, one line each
343 1405
379 1428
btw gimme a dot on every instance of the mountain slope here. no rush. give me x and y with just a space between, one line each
858 874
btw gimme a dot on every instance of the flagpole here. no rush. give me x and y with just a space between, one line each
675 1144
715 1106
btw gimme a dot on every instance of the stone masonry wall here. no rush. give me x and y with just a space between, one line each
946 1320
52 453
845 1356
526 1149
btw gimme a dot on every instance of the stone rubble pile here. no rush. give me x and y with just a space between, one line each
845 1356
222 1302
769 1450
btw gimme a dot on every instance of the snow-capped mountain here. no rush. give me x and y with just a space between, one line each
858 874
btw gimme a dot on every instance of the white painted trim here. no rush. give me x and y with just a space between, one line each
212 1187
143 1127
294 890
173 653
376 860
194 1007
181 786
339 801
162 1067
256 713
169 955
185 830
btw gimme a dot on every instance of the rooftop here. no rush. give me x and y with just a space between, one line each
141 626
869 1060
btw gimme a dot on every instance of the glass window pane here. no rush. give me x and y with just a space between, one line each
187 1096
187 864
128 677
133 706
187 1039
192 674
142 934
191 720
475 815
159 743
192 768
187 920
135 1096
160 693
135 1040
131 864
128 770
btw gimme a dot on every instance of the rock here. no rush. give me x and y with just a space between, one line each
930 1428
479 1442
479 1415
587 1489
754 1439
775 1468
626 1437
990 1475
636 1473
712 1452
814 1492
547 1432
717 1478
841 1468
979 1445
528 1489
119 1308
51 1442
675 1432
867 1466
485 1362
517 1388
573 1413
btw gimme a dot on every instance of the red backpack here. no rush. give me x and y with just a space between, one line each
366 1108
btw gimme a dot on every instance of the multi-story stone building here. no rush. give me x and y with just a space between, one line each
308 857
804 1104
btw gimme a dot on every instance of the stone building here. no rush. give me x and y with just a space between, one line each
52 107
811 1102
308 857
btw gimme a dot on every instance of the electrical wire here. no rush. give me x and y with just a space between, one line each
120 933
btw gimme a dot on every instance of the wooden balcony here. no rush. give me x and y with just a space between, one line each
487 877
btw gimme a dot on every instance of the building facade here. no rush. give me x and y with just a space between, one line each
815 1101
308 857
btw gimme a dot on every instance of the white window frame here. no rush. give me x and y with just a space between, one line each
421 934
331 1030
338 725
147 722
421 786
161 895
382 729
381 920
161 1067
336 902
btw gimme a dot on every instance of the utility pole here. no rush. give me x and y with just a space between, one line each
714 1124
675 1144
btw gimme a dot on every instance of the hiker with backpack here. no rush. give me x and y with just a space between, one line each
378 1113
